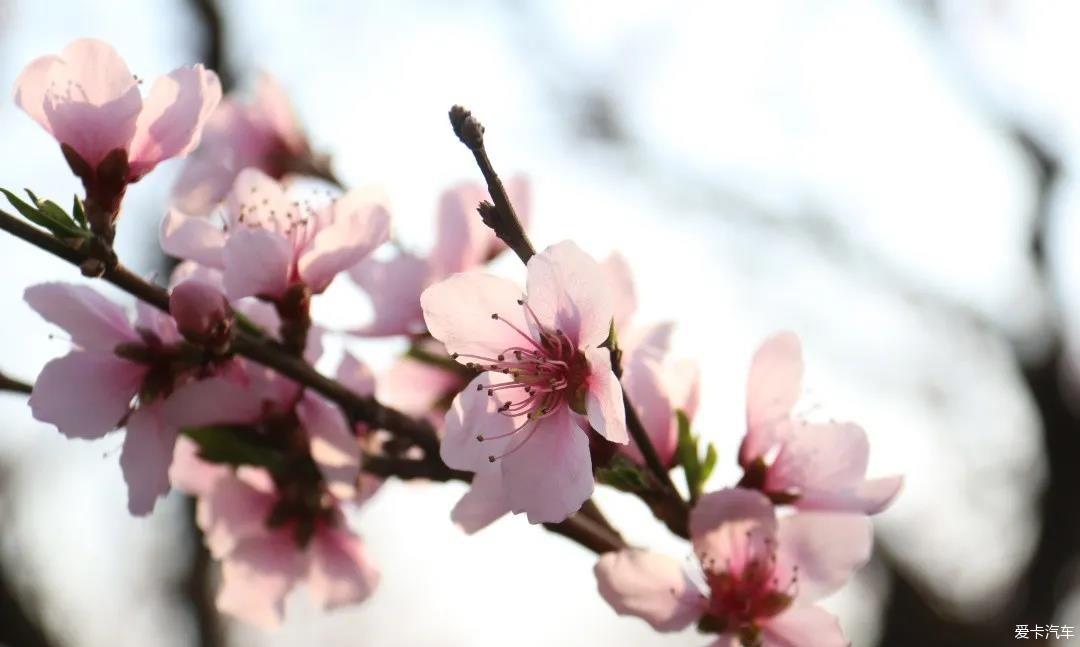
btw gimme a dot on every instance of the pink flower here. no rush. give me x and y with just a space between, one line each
90 102
546 381
815 466
462 242
270 243
271 536
762 576
264 134
88 392
269 544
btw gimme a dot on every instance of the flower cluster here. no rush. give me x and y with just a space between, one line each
534 393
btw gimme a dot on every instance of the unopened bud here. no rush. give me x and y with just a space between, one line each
202 314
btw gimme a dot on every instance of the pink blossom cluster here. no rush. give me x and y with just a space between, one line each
538 391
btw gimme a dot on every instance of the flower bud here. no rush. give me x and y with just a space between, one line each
203 315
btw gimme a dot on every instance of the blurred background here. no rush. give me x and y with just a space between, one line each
895 181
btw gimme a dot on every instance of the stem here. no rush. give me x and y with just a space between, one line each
358 408
502 219
15 386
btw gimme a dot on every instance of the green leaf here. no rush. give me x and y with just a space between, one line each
695 469
624 475
47 214
78 210
231 445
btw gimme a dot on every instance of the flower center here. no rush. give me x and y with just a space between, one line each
547 371
740 597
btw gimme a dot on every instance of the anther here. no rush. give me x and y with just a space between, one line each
495 315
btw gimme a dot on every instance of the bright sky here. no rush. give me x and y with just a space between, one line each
836 168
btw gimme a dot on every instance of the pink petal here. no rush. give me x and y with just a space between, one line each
190 473
32 85
771 392
416 387
732 524
213 401
683 380
804 627
868 497
820 458
484 503
87 98
257 576
341 571
173 116
651 586
92 321
199 309
604 402
274 106
257 263
85 393
145 459
458 313
192 238
568 292
645 389
473 413
204 181
620 280
235 512
646 343
826 549
550 475
334 447
361 223
149 319
462 240
356 375
258 200
394 287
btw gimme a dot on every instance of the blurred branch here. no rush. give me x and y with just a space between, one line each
20 626
214 42
16 386
198 588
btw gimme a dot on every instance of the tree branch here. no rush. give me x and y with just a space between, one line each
358 408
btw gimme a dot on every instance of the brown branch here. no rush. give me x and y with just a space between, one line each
358 408
15 386
214 50
502 220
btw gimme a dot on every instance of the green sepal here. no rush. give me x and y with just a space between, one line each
695 468
623 474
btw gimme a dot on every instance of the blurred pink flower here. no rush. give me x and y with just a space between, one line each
90 102
462 242
656 386
269 543
264 134
88 392
762 576
546 380
271 242
811 465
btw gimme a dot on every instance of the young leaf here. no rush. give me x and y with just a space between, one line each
696 470
231 445
623 475
46 214
78 210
